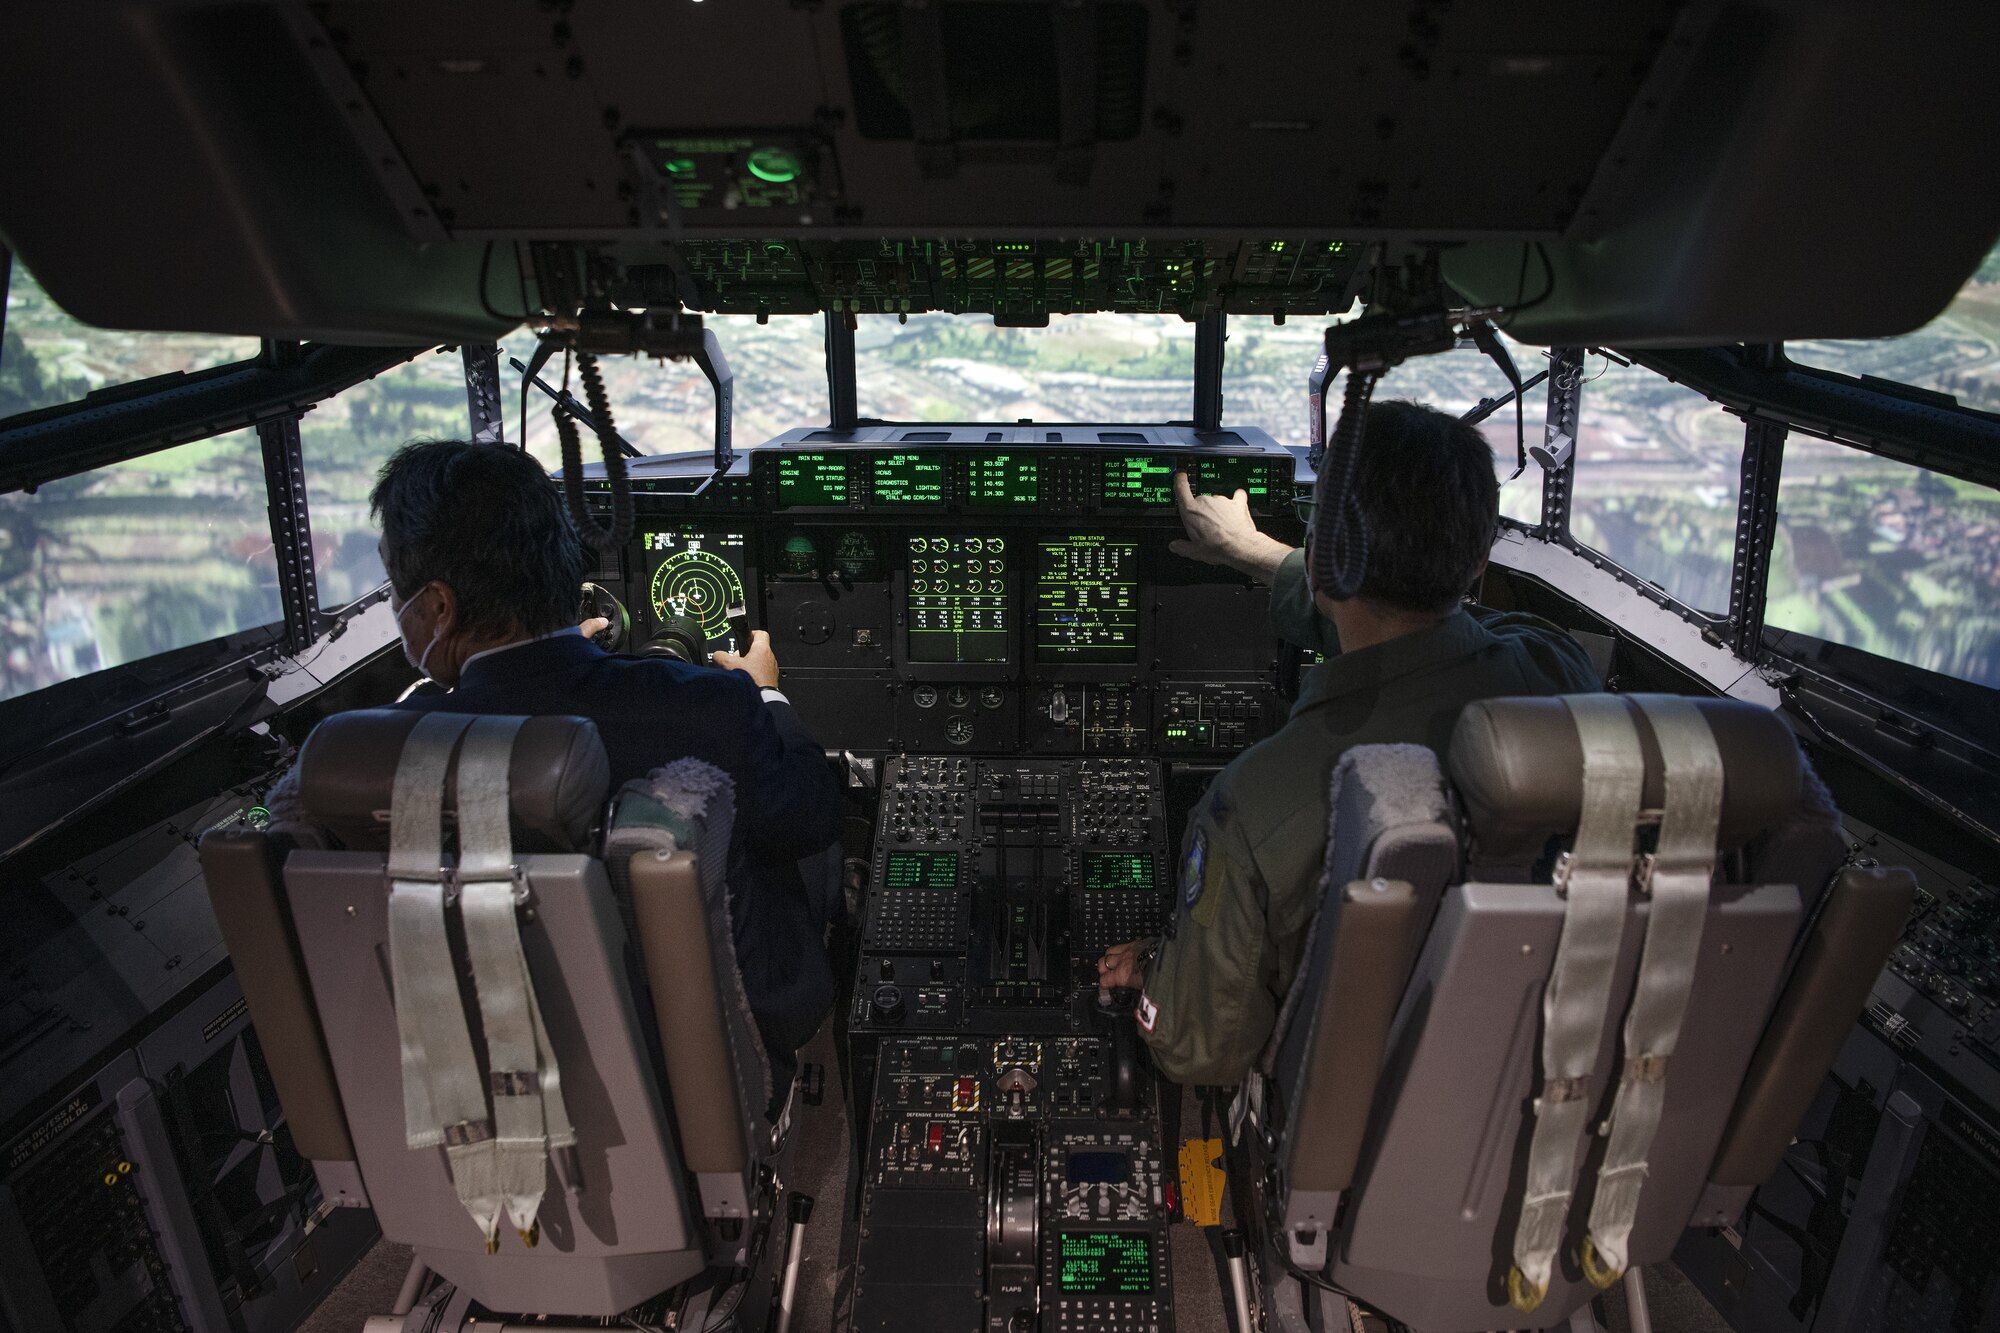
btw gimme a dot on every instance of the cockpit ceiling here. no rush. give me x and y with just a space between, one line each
364 172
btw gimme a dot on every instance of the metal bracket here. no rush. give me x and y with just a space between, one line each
482 393
291 530
1756 533
1564 406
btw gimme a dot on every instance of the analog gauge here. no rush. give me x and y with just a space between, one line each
996 566
958 696
854 555
701 586
959 731
924 696
798 556
992 696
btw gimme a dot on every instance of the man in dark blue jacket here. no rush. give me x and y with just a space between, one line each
484 569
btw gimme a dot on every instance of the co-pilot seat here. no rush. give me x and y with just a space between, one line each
1460 1143
611 1137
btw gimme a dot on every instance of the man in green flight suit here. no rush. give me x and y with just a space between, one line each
1404 656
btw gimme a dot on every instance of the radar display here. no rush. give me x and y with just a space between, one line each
699 576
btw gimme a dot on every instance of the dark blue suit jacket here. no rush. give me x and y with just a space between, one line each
650 711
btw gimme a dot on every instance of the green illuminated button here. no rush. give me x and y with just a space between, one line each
774 165
679 166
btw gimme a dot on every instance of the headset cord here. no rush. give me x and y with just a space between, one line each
604 540
1340 529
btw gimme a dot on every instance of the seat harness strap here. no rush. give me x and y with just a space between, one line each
1597 877
525 1084
1678 875
443 1102
496 1132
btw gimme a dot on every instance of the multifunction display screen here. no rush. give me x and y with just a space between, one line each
958 599
1138 481
1087 601
1105 1263
812 480
1226 476
697 575
908 479
921 870
1117 870
1003 481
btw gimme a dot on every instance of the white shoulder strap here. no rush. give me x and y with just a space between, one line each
1597 877
1678 875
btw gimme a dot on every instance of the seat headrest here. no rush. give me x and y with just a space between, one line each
557 782
1518 768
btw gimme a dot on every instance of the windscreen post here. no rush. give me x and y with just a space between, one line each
715 366
291 527
1564 411
1756 533
482 393
1210 331
843 410
6 280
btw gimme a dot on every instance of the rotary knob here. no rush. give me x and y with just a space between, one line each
887 1004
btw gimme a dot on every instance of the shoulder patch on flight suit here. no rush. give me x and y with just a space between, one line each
1194 867
1205 909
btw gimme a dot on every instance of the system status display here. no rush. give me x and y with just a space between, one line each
1087 601
958 599
812 480
1105 1263
908 479
1138 481
1003 481
1117 870
921 870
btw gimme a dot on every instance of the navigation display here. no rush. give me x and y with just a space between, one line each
908 479
1087 601
1226 476
1003 481
958 599
1117 870
812 480
921 870
1105 1263
698 575
1138 481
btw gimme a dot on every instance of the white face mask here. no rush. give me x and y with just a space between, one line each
419 661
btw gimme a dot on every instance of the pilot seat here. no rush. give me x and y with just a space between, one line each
511 1024
1553 1012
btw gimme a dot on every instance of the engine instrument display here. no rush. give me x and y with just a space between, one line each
958 599
1003 481
1105 1263
907 479
812 480
1087 601
699 575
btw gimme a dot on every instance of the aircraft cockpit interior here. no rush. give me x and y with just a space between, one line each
999 666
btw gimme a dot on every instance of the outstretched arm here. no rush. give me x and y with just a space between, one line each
1220 531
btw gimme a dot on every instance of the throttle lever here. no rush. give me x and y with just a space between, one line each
1114 1010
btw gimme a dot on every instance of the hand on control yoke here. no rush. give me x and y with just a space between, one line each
760 663
594 626
1220 531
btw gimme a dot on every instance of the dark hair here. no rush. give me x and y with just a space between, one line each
1425 482
486 521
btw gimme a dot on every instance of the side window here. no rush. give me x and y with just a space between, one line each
1887 558
1657 471
47 358
135 559
345 440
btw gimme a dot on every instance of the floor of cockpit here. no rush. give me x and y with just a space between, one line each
825 1276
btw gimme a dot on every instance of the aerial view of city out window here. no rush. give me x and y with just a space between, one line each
346 438
667 407
49 358
1891 559
1957 353
1097 367
135 559
1657 472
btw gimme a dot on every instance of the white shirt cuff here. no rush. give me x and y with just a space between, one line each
772 696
